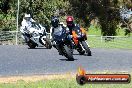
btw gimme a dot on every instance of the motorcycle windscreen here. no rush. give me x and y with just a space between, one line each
78 31
59 34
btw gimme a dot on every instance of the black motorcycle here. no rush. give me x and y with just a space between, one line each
63 43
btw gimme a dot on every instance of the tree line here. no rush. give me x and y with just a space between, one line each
107 11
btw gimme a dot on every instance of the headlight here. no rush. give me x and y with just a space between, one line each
35 34
83 34
78 36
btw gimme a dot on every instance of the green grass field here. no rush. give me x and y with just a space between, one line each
97 31
122 42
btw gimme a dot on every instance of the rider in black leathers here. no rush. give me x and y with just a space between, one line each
56 26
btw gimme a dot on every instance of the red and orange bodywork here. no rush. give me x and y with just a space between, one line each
75 36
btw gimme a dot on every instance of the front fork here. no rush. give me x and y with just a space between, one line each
86 43
80 47
42 40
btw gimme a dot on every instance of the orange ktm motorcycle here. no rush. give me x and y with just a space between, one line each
80 41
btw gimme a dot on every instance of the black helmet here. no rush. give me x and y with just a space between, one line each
54 21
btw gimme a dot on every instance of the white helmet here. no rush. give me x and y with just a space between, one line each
27 15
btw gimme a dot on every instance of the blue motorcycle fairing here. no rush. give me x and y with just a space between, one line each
60 35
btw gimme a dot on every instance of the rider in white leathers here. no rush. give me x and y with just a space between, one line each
26 23
26 27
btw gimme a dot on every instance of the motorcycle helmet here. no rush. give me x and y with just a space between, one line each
55 21
69 21
27 17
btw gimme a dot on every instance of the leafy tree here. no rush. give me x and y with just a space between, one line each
42 10
105 10
82 10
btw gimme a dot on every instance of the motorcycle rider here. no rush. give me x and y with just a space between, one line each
55 23
72 26
57 26
26 25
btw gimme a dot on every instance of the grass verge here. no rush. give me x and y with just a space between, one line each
53 81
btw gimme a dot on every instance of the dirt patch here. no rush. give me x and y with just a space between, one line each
33 78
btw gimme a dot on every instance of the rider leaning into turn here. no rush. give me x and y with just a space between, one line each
71 25
26 25
57 26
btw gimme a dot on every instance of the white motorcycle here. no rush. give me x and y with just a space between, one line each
38 37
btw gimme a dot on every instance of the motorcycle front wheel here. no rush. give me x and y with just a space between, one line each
48 44
85 46
68 54
80 49
31 45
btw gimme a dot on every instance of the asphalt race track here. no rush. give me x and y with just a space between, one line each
19 60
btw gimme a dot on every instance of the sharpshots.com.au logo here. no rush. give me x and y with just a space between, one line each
83 78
